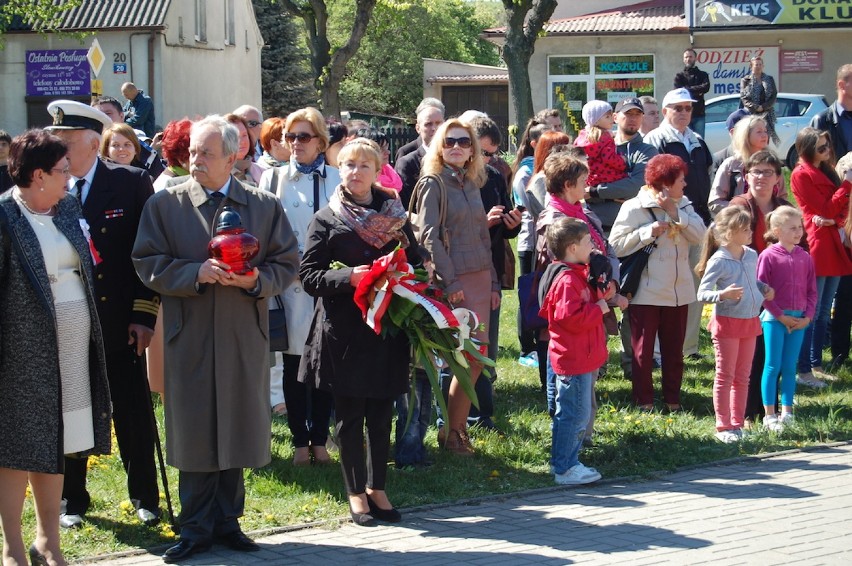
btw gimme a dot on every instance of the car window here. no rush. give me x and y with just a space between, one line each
791 107
719 110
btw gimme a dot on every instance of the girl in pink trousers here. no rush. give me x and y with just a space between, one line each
728 271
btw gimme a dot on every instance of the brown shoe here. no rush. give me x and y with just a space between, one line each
458 442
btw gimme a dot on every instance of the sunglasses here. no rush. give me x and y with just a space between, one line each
253 123
463 143
681 108
822 148
302 137
488 153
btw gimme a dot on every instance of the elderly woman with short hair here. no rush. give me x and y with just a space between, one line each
54 395
660 214
304 186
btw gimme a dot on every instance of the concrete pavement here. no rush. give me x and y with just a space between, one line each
788 508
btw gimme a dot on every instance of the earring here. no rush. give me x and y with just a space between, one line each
42 188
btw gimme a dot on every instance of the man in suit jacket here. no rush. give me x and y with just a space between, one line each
429 117
216 339
412 146
112 197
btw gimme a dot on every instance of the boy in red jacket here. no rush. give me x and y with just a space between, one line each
574 311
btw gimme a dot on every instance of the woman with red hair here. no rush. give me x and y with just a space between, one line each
175 148
660 214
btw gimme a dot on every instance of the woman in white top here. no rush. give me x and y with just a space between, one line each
304 186
54 397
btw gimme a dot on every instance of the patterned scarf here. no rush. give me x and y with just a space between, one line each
576 211
270 161
377 228
311 167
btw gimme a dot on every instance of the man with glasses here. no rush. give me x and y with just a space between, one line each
837 121
676 138
429 118
697 82
112 197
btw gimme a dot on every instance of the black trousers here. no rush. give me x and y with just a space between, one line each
351 414
210 503
308 409
841 322
526 338
131 414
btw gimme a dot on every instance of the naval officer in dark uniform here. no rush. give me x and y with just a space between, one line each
112 197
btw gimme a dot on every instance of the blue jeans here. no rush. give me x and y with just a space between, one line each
550 383
568 426
814 340
409 441
697 125
781 348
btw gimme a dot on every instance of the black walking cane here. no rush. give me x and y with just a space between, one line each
159 447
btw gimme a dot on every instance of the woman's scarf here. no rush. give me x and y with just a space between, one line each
377 228
311 167
576 211
177 171
267 159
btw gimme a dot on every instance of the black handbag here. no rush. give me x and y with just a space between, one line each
633 266
278 341
528 299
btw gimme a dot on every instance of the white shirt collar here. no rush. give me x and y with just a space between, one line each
89 177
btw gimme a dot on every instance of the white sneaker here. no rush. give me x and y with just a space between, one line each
577 475
809 380
820 373
787 419
773 423
727 437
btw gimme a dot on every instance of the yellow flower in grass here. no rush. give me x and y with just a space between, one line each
494 474
166 530
270 517
126 506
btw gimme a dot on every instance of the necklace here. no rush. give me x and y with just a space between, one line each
22 202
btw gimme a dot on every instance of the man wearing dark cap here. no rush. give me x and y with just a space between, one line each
605 199
112 197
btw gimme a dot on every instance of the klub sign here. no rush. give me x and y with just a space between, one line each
726 66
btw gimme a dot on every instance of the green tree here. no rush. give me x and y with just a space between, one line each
286 77
329 66
42 16
386 75
525 22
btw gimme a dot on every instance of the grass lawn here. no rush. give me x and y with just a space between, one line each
628 443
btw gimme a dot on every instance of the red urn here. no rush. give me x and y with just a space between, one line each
232 244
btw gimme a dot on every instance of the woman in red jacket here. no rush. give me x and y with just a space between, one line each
824 206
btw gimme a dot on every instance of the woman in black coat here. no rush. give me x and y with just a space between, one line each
54 396
364 371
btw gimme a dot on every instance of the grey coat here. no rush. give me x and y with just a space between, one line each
216 341
30 385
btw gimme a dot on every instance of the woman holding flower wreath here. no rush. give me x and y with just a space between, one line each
364 371
460 248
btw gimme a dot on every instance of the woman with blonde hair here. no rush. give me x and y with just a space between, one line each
460 247
304 186
750 136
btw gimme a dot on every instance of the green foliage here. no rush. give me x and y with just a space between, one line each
386 75
286 78
40 15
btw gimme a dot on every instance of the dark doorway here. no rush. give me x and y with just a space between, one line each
491 99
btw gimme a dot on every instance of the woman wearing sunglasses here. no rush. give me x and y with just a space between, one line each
462 259
824 201
304 186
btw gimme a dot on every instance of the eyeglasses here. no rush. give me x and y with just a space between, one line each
681 108
762 172
488 153
463 143
253 123
64 171
822 148
303 137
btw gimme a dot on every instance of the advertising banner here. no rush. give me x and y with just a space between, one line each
63 72
738 13
727 65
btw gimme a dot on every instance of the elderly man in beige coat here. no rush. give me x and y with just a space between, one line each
216 334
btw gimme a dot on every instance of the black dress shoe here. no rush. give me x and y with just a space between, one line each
362 519
387 515
184 549
238 541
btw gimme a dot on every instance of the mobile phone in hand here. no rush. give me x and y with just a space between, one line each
520 208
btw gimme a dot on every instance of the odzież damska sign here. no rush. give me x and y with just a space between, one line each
727 65
63 72
736 13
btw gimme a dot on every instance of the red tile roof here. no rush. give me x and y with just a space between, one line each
493 78
653 16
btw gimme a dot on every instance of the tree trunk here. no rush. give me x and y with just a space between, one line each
521 34
329 69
